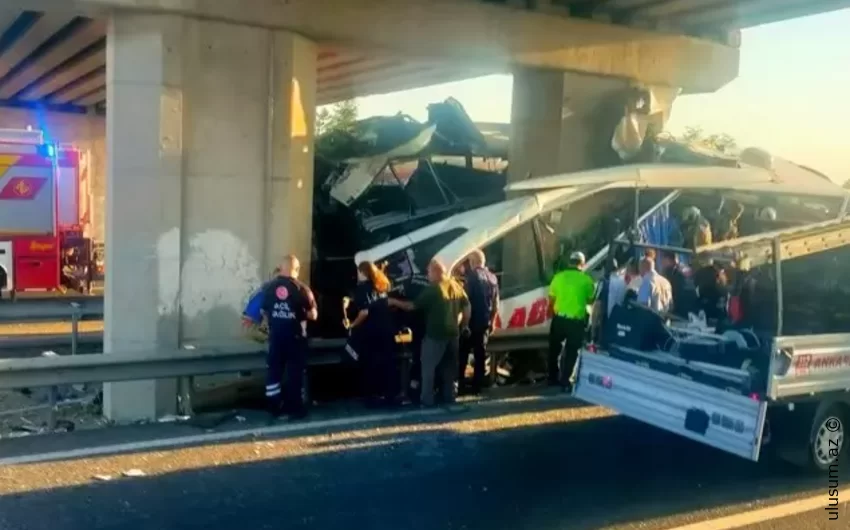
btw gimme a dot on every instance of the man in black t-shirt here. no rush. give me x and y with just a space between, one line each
287 306
712 291
684 293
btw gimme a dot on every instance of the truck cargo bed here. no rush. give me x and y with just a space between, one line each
728 421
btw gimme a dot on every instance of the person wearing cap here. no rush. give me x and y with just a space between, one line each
696 229
570 293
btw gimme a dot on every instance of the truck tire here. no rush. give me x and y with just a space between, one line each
827 438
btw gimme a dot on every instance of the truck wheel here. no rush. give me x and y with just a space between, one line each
828 437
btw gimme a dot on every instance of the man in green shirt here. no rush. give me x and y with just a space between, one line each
570 294
447 312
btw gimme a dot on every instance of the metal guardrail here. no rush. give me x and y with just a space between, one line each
51 309
68 370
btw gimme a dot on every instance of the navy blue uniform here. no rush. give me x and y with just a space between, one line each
482 289
374 341
684 292
286 302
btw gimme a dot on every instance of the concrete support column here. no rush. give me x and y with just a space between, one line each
292 86
560 122
207 161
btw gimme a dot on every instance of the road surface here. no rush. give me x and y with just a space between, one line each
543 463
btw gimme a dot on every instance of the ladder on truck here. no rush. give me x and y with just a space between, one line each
790 243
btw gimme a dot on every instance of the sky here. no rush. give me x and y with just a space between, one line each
792 96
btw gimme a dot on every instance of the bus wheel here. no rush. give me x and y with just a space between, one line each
828 437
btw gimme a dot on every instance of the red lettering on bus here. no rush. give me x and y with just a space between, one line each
517 318
539 312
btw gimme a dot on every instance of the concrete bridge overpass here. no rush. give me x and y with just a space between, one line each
58 58
211 106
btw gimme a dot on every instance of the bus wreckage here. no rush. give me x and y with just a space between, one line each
777 376
783 374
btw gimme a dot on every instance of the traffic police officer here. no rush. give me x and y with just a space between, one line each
570 292
287 306
482 289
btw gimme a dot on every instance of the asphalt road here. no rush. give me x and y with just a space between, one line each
544 464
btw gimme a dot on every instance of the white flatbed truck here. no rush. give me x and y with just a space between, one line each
802 408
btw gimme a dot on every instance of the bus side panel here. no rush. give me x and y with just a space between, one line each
726 421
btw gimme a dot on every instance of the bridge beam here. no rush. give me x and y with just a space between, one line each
463 31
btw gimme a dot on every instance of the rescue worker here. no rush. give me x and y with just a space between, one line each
726 226
712 290
696 230
287 306
675 273
373 334
447 312
482 289
655 291
570 293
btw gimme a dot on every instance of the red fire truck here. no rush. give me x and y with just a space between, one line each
45 198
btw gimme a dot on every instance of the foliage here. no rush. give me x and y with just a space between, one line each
718 142
339 118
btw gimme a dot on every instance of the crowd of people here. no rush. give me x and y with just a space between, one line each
460 313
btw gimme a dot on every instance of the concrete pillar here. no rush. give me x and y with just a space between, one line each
203 146
559 123
290 197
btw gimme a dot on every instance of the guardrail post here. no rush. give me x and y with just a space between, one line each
54 399
186 391
75 326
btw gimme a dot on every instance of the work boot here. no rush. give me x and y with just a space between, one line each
274 411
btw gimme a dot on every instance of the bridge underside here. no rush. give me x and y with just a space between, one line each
59 58
58 61
211 109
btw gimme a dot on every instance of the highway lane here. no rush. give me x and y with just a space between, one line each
548 463
30 339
